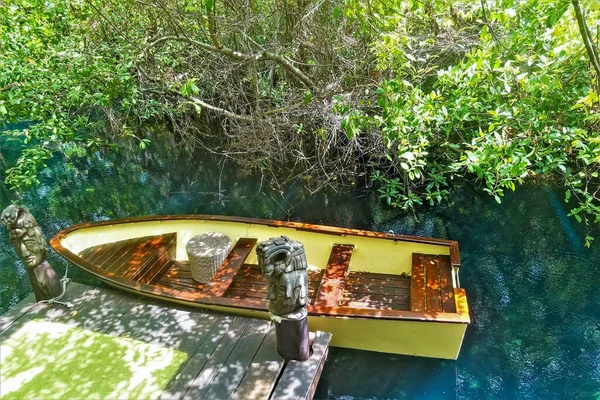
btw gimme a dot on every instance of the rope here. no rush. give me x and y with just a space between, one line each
65 280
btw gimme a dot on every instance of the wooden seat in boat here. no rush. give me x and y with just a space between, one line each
431 284
332 283
341 287
222 279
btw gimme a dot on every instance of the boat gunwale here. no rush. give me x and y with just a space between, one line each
461 316
332 230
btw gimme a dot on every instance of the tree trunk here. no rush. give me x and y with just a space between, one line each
586 35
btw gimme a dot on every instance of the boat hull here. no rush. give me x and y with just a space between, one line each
398 328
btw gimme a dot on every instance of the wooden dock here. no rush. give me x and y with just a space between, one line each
119 345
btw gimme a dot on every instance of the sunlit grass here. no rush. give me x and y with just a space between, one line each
51 360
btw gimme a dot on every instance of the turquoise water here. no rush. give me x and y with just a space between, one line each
532 285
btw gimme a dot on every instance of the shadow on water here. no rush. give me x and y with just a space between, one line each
531 284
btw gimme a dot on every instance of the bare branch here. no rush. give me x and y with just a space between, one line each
222 111
236 55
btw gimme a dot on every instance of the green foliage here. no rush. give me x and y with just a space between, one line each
519 104
71 90
424 93
189 88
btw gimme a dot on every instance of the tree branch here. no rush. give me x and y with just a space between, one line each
218 110
590 47
201 103
236 55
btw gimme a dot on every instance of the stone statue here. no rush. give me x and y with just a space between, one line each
283 261
29 245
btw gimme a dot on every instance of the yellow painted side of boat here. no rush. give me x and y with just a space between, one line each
370 254
416 338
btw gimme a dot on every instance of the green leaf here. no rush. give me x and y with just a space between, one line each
209 4
194 89
307 97
337 11
484 32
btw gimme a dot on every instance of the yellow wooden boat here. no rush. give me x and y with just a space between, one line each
372 291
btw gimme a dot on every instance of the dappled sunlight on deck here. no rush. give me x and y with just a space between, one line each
117 345
43 360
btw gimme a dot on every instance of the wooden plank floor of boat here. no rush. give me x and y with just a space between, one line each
151 259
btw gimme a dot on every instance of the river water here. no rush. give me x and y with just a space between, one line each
532 285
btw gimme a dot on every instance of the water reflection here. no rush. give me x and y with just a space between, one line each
532 286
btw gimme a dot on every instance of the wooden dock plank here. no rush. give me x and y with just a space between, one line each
210 333
101 310
299 379
183 330
219 283
446 288
201 383
93 309
22 308
233 369
261 376
332 283
433 298
186 330
144 329
417 285
227 356
43 311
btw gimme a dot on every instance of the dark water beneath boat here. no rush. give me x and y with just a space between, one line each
532 285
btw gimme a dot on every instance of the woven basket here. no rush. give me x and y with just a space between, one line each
206 253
